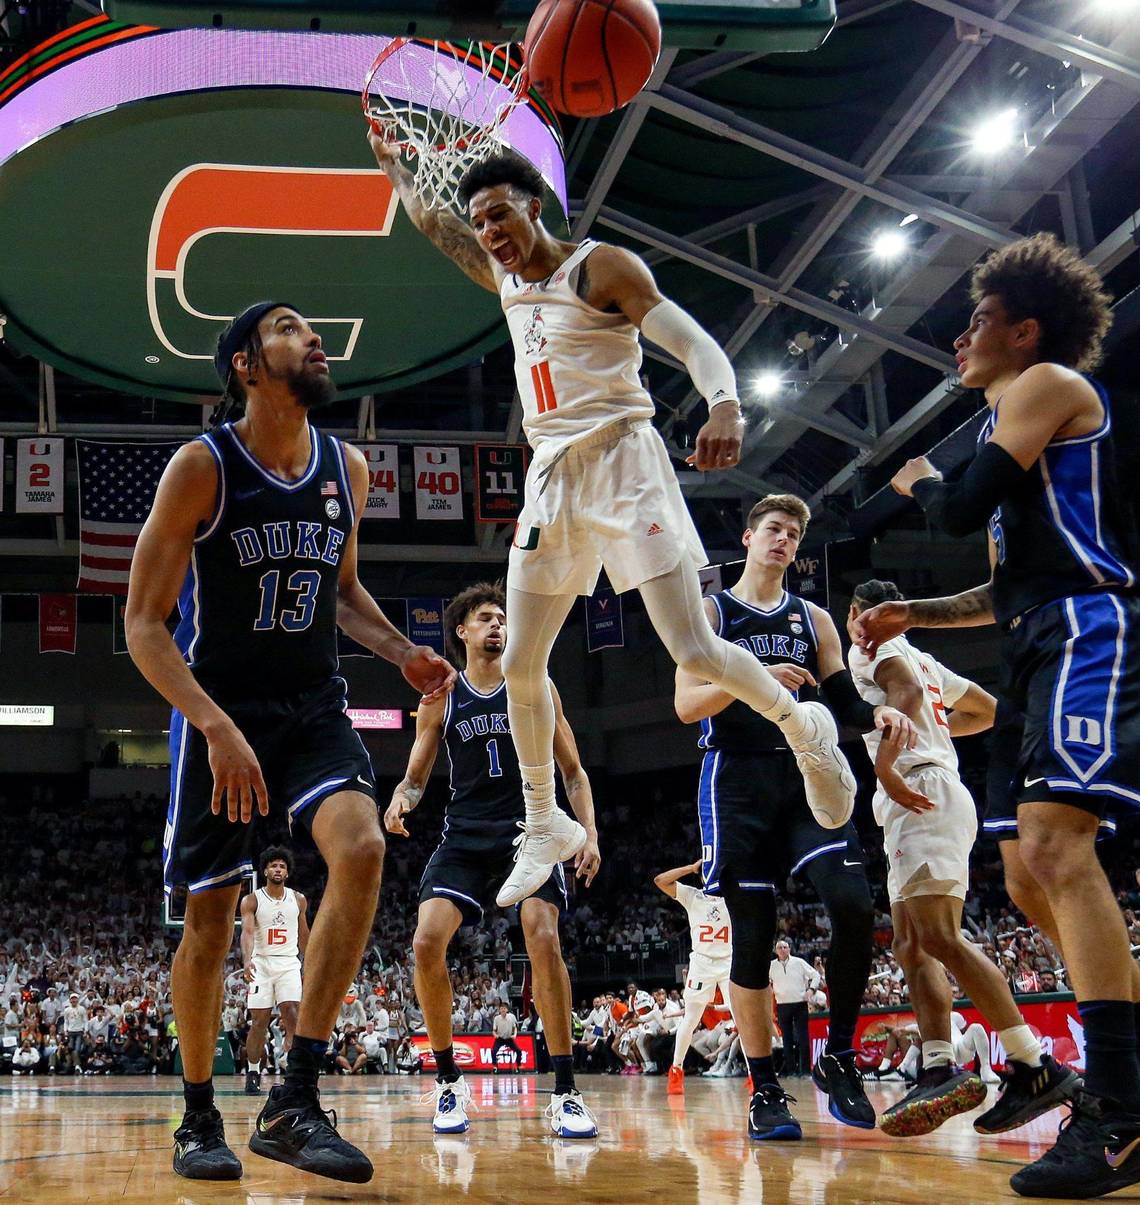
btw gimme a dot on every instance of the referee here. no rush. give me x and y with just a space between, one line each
793 980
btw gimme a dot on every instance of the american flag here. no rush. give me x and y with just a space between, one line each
116 488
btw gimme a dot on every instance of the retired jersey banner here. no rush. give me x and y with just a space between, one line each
604 629
39 476
500 470
807 577
439 485
57 623
425 622
383 481
711 579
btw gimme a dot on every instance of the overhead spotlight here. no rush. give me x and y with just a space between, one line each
1114 8
804 340
996 133
767 384
889 244
910 217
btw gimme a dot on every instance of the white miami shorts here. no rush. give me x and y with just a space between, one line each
928 853
611 500
705 976
275 981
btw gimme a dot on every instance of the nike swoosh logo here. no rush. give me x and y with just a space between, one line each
846 863
467 704
264 1127
242 495
734 622
1116 1159
364 781
1032 782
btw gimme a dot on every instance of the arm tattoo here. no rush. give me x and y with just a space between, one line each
412 794
967 609
456 240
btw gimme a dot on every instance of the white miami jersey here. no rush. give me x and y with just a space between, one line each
941 687
275 925
577 368
709 925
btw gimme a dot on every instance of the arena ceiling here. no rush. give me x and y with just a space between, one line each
757 186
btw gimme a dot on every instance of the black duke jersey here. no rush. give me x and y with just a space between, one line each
1067 529
783 634
486 786
258 607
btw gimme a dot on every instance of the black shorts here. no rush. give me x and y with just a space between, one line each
1068 722
756 826
469 875
307 750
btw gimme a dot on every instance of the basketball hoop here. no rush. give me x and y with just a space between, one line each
442 104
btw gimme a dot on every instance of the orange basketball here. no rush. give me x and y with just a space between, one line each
590 57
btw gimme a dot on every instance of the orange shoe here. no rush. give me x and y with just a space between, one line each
749 1086
676 1081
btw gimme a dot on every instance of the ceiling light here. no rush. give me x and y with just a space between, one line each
996 133
910 217
767 384
889 244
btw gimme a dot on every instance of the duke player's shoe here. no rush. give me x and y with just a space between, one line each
1097 1151
200 1150
451 1101
941 1093
569 1117
1027 1092
828 782
847 1101
253 1083
538 849
293 1128
769 1116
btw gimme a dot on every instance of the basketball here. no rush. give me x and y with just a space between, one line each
590 57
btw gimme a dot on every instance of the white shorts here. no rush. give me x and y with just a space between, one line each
609 500
275 981
704 977
928 852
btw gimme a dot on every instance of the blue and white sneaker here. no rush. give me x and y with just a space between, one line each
569 1117
769 1116
451 1102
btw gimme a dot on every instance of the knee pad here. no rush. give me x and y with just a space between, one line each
847 899
753 916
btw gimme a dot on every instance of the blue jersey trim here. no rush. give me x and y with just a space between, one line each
478 693
227 878
787 598
819 851
709 823
179 739
220 506
342 468
279 482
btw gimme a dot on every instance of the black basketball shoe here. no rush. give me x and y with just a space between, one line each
837 1075
1026 1093
200 1151
941 1093
769 1116
294 1129
253 1083
1097 1151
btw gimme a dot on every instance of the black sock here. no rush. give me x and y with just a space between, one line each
446 1072
198 1096
840 1039
1136 1023
762 1072
563 1073
1111 1065
305 1061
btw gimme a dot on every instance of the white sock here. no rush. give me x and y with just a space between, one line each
255 1067
885 1065
538 792
1020 1044
936 1054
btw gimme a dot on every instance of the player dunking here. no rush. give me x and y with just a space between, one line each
600 490
480 832
929 823
1063 590
253 534
710 963
274 934
757 827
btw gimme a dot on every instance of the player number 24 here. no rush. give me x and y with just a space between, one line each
712 933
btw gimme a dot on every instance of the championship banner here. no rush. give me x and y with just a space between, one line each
1053 1019
425 622
711 579
439 485
39 476
604 629
807 577
473 1051
383 481
500 470
57 623
119 625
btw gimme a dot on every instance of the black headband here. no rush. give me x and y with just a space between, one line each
236 335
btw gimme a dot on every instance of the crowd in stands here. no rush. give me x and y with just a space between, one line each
85 957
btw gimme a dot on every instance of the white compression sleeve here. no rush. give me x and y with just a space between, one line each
682 336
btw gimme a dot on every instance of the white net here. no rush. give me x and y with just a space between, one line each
443 104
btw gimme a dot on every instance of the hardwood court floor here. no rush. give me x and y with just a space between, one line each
109 1139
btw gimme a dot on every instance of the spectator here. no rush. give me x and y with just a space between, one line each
26 1059
505 1027
351 1058
375 1048
793 983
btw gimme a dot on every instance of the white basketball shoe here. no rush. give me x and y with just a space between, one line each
828 781
569 1117
538 849
451 1102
